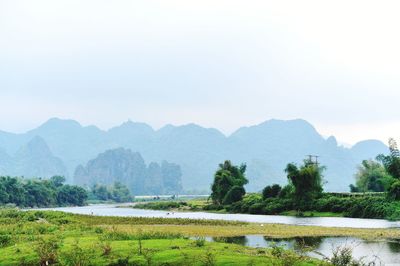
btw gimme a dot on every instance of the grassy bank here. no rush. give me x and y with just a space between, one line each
202 205
34 237
26 238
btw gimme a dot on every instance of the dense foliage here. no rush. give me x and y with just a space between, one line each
229 181
304 192
372 177
40 193
306 180
391 162
367 206
271 191
117 193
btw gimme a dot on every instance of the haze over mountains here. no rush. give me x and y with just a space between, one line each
60 146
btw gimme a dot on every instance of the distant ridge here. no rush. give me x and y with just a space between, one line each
266 148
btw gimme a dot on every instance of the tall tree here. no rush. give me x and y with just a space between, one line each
306 180
392 161
229 181
372 177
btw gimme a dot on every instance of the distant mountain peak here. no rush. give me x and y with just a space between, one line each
133 125
276 127
55 121
36 146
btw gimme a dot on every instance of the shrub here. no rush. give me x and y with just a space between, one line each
271 191
105 247
199 242
47 250
209 258
257 208
343 256
5 240
77 256
286 192
276 206
235 194
121 262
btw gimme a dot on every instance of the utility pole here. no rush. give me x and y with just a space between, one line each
313 159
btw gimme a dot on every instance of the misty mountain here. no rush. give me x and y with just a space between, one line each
266 148
127 167
34 159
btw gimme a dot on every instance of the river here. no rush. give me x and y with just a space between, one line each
112 210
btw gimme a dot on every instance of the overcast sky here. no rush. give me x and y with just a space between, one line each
221 64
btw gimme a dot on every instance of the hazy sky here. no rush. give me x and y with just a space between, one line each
220 64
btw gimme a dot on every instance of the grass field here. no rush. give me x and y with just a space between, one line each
28 238
37 237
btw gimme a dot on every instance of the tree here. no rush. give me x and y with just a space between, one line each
228 177
121 193
100 192
271 191
372 177
235 194
3 194
57 180
39 193
306 180
74 195
394 191
391 162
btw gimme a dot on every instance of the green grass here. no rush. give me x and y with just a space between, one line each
174 252
90 240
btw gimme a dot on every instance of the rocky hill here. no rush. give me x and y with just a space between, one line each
127 167
266 148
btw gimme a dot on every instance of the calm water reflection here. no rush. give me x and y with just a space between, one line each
382 252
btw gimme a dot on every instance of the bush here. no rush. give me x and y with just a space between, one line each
47 250
276 206
209 258
5 240
286 192
257 208
271 191
199 242
77 256
235 194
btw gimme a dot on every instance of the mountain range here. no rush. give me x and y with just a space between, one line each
60 146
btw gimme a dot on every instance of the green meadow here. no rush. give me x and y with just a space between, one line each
56 238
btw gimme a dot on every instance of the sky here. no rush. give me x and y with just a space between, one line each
216 63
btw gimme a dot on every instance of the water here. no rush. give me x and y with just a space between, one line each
111 210
385 252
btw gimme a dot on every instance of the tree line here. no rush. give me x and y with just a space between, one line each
304 190
40 193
